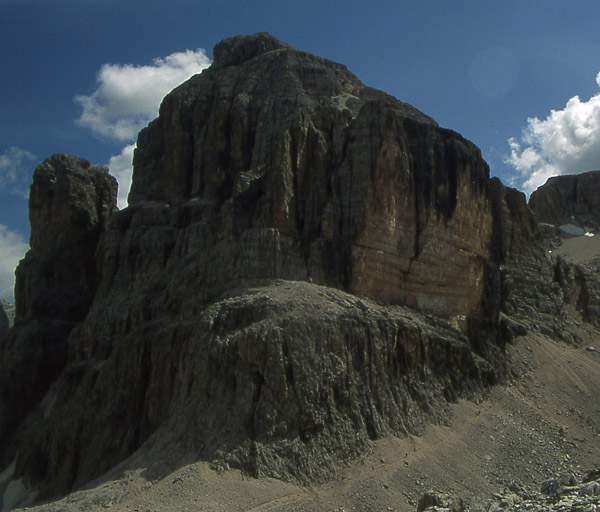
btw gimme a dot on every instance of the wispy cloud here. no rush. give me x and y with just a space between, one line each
566 142
15 170
127 97
12 249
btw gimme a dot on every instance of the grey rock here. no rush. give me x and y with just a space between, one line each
550 487
565 493
432 501
569 199
273 149
69 203
192 309
287 379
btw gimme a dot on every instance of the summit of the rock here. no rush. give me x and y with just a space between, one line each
243 48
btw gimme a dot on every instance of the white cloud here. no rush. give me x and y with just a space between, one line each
14 168
128 96
120 167
566 142
12 249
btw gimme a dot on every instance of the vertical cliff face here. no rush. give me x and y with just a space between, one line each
70 202
270 169
567 199
287 152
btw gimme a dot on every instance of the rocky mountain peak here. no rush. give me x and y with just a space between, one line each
70 203
220 312
569 199
240 49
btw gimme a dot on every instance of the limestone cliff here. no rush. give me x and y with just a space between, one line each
569 199
272 149
219 317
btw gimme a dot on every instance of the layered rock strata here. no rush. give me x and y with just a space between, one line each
277 151
212 319
569 199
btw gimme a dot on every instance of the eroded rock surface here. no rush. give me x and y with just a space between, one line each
220 318
273 150
70 202
569 199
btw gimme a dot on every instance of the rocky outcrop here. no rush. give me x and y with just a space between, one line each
555 495
221 312
287 379
569 199
70 202
276 150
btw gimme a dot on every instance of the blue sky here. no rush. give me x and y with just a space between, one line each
518 78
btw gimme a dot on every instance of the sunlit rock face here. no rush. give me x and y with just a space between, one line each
281 151
570 199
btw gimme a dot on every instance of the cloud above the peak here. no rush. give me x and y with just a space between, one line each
567 141
127 96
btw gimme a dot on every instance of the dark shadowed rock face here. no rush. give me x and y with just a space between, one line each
195 330
569 199
70 202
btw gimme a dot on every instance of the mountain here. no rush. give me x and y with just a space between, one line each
569 199
306 265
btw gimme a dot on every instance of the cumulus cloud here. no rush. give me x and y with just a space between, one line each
121 168
12 249
14 170
566 142
127 97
